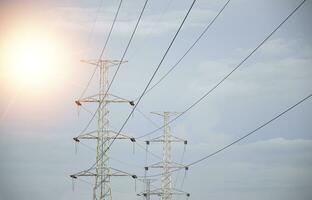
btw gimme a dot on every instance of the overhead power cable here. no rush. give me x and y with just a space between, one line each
149 82
157 68
104 47
127 47
152 28
138 144
146 117
251 132
243 137
95 21
115 159
225 77
121 60
188 50
181 162
147 151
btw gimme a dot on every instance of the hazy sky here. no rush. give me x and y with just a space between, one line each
38 123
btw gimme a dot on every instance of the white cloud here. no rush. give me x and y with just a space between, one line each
284 73
155 24
277 166
276 47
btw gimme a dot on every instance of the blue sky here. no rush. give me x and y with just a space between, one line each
36 148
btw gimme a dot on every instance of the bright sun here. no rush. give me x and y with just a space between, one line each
30 59
31 62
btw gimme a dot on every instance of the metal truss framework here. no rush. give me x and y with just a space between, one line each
166 191
103 135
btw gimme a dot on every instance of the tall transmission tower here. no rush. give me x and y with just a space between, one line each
166 191
147 188
103 135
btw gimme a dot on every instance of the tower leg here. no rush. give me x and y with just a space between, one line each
166 179
102 188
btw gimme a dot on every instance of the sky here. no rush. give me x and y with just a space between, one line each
38 116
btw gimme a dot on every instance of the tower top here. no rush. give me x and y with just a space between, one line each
103 62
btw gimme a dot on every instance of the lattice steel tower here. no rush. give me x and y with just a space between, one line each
166 191
101 170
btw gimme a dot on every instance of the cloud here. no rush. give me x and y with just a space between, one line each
272 165
152 24
277 166
280 69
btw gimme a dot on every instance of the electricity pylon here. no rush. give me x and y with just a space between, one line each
103 135
166 191
147 188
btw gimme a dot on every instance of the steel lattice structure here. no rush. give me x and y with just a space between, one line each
166 191
103 135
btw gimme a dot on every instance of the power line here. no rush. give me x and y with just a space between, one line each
136 143
104 47
161 61
147 151
126 50
252 132
123 162
120 62
245 136
146 117
159 19
84 181
95 20
227 76
188 50
110 31
152 77
137 109
181 162
115 159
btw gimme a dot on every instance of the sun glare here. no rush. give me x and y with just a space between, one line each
31 59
